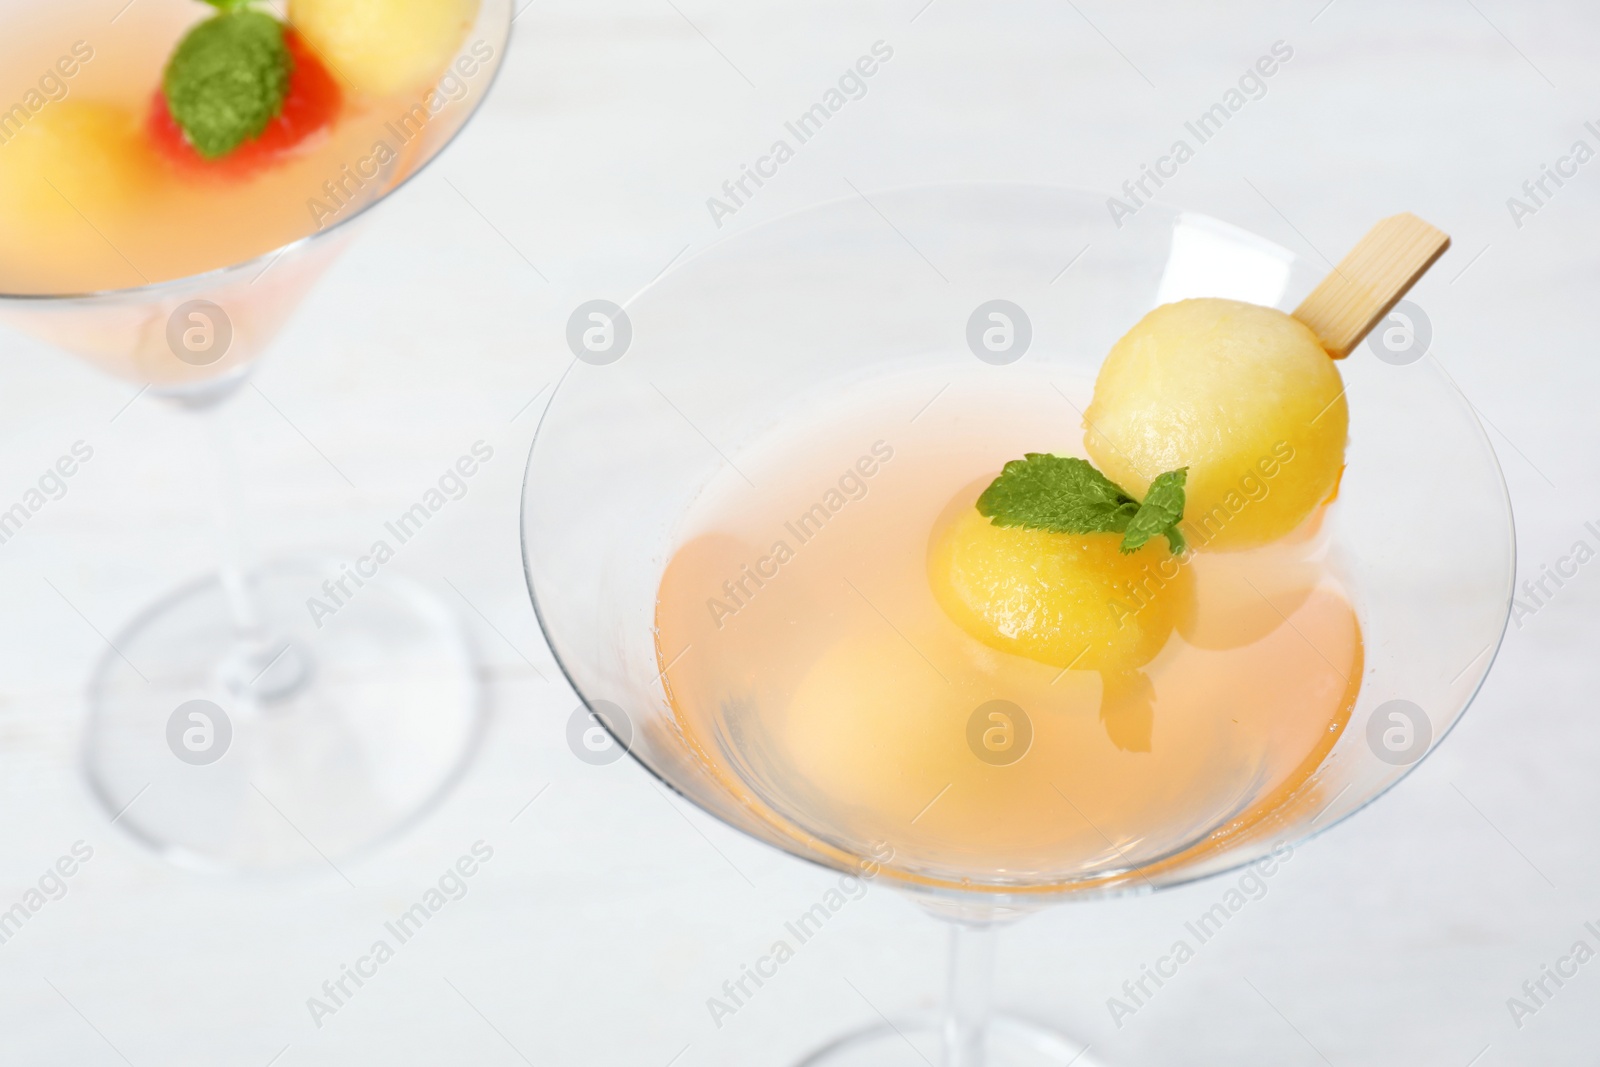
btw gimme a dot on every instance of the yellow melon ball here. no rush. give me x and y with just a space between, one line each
74 184
384 46
1069 600
71 161
875 730
1242 395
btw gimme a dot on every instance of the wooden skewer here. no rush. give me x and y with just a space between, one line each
1370 280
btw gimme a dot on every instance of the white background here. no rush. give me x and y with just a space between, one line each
609 914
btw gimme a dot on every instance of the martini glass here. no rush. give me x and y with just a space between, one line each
227 727
804 312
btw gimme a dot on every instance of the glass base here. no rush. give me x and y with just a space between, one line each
917 1042
290 744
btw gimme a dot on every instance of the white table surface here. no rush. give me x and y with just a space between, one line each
606 919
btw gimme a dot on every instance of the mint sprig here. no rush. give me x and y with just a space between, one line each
1064 494
1160 513
227 78
1060 493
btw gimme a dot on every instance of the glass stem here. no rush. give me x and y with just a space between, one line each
263 668
969 994
222 471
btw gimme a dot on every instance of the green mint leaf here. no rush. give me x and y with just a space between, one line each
1159 514
1175 542
227 79
1062 494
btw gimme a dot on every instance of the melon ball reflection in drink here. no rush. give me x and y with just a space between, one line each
1069 600
1242 395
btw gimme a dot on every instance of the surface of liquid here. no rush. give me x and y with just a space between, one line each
809 665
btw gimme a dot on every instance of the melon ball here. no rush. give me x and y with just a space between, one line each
71 159
1069 600
385 46
877 732
70 180
1242 395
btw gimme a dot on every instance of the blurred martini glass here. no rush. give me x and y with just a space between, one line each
227 727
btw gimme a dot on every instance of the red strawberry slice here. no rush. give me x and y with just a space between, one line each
311 104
